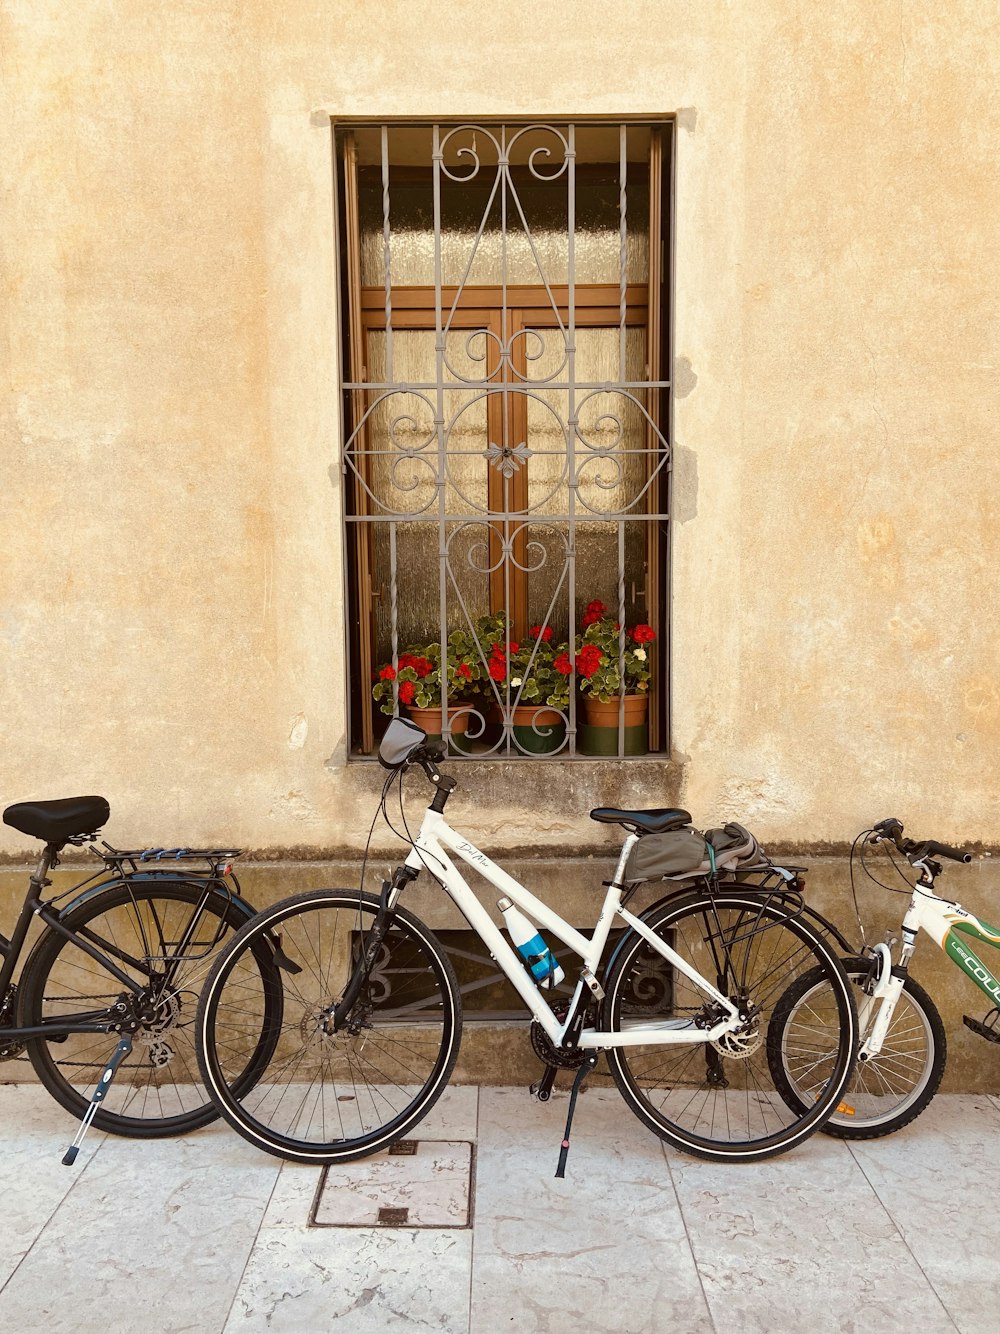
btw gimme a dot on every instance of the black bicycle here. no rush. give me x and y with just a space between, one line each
105 1003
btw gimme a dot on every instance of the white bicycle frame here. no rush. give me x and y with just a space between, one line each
941 919
429 853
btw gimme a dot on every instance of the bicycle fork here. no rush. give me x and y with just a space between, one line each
883 988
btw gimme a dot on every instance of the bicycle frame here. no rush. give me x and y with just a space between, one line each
943 920
429 853
105 955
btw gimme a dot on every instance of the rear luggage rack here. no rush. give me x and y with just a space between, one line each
218 859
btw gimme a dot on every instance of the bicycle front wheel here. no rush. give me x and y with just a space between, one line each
889 1089
328 1096
718 1099
164 935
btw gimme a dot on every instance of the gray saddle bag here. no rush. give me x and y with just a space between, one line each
680 853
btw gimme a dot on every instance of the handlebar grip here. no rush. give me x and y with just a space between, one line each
892 829
944 850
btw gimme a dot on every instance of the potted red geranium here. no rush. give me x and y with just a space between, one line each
538 682
415 679
613 674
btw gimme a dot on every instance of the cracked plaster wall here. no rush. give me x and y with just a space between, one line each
170 612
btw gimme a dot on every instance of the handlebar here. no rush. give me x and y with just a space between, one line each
892 830
945 850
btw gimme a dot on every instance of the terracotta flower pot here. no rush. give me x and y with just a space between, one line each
431 721
599 731
550 725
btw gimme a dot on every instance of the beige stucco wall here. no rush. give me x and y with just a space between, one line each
170 612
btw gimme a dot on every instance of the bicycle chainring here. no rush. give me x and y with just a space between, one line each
547 1053
9 1051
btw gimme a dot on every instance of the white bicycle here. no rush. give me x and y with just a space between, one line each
371 1013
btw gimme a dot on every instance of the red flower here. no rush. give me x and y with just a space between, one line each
537 632
595 612
497 669
588 660
562 664
406 691
406 660
643 634
464 671
388 673
422 666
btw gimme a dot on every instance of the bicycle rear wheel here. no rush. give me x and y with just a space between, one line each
718 1100
326 1096
139 926
887 1091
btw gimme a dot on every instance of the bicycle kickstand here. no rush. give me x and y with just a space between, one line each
103 1084
581 1075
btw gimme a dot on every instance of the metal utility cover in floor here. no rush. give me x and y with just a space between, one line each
416 1184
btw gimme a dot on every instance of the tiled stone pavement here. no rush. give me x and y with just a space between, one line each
205 1234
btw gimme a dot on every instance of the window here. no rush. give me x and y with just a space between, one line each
506 409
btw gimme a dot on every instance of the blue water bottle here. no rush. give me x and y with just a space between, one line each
530 945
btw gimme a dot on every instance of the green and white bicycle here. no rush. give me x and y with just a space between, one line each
904 1049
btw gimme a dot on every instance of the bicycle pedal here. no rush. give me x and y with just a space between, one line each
542 1090
984 1031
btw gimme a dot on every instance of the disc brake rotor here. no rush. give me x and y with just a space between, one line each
152 1029
741 1044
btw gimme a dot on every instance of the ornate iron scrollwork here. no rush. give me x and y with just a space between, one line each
554 401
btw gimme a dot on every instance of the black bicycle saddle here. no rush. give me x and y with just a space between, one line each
646 822
56 821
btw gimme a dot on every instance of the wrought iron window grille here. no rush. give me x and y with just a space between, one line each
506 447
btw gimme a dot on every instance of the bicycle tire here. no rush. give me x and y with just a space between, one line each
156 1090
330 1097
717 1100
890 1089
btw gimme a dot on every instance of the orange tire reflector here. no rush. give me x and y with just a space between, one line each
845 1108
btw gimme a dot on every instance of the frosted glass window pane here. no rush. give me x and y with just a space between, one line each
480 260
404 475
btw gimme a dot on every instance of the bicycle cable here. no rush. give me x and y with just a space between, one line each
893 889
412 842
396 776
854 889
860 853
380 809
